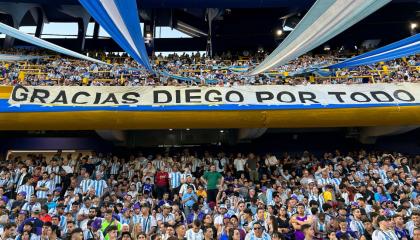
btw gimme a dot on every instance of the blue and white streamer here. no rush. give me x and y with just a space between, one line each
13 32
120 19
402 48
325 19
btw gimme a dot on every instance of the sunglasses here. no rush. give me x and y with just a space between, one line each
257 228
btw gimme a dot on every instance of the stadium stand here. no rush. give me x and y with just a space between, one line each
199 70
211 195
301 120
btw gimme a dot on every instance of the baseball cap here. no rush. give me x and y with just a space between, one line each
166 205
97 223
382 218
23 193
36 209
136 206
5 199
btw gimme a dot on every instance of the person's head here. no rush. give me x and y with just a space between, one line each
208 233
166 209
383 222
180 231
125 228
258 229
368 225
92 213
343 225
77 234
170 230
415 217
416 234
70 226
208 220
10 230
234 220
108 215
308 230
234 234
398 220
332 236
141 236
26 235
213 168
46 229
27 227
357 213
126 236
301 209
196 226
190 189
112 232
260 213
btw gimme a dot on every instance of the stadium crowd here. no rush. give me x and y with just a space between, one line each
223 196
174 70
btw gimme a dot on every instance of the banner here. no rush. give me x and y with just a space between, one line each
264 97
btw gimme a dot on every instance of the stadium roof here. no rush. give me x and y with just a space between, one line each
239 25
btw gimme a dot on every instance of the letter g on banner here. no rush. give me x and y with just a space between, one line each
20 93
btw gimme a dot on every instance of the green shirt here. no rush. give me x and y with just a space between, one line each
212 179
105 224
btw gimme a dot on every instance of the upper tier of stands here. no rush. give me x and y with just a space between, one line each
174 70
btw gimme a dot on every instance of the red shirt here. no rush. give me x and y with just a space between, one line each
46 218
162 179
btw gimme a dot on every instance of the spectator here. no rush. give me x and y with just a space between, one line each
385 230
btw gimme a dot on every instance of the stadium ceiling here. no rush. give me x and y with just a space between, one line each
238 25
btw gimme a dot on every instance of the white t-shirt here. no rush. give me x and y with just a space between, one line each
239 164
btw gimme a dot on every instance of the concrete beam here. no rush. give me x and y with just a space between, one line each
250 133
17 11
113 136
368 135
83 18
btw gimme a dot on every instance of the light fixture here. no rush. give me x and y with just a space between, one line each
413 26
279 32
221 131
327 48
148 35
187 129
170 129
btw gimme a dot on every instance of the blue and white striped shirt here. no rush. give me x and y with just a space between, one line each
175 179
136 218
63 223
99 186
28 206
44 183
85 185
29 189
147 223
115 167
251 236
124 220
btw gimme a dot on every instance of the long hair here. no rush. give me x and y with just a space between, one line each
274 224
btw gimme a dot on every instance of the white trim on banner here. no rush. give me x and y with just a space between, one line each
267 96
